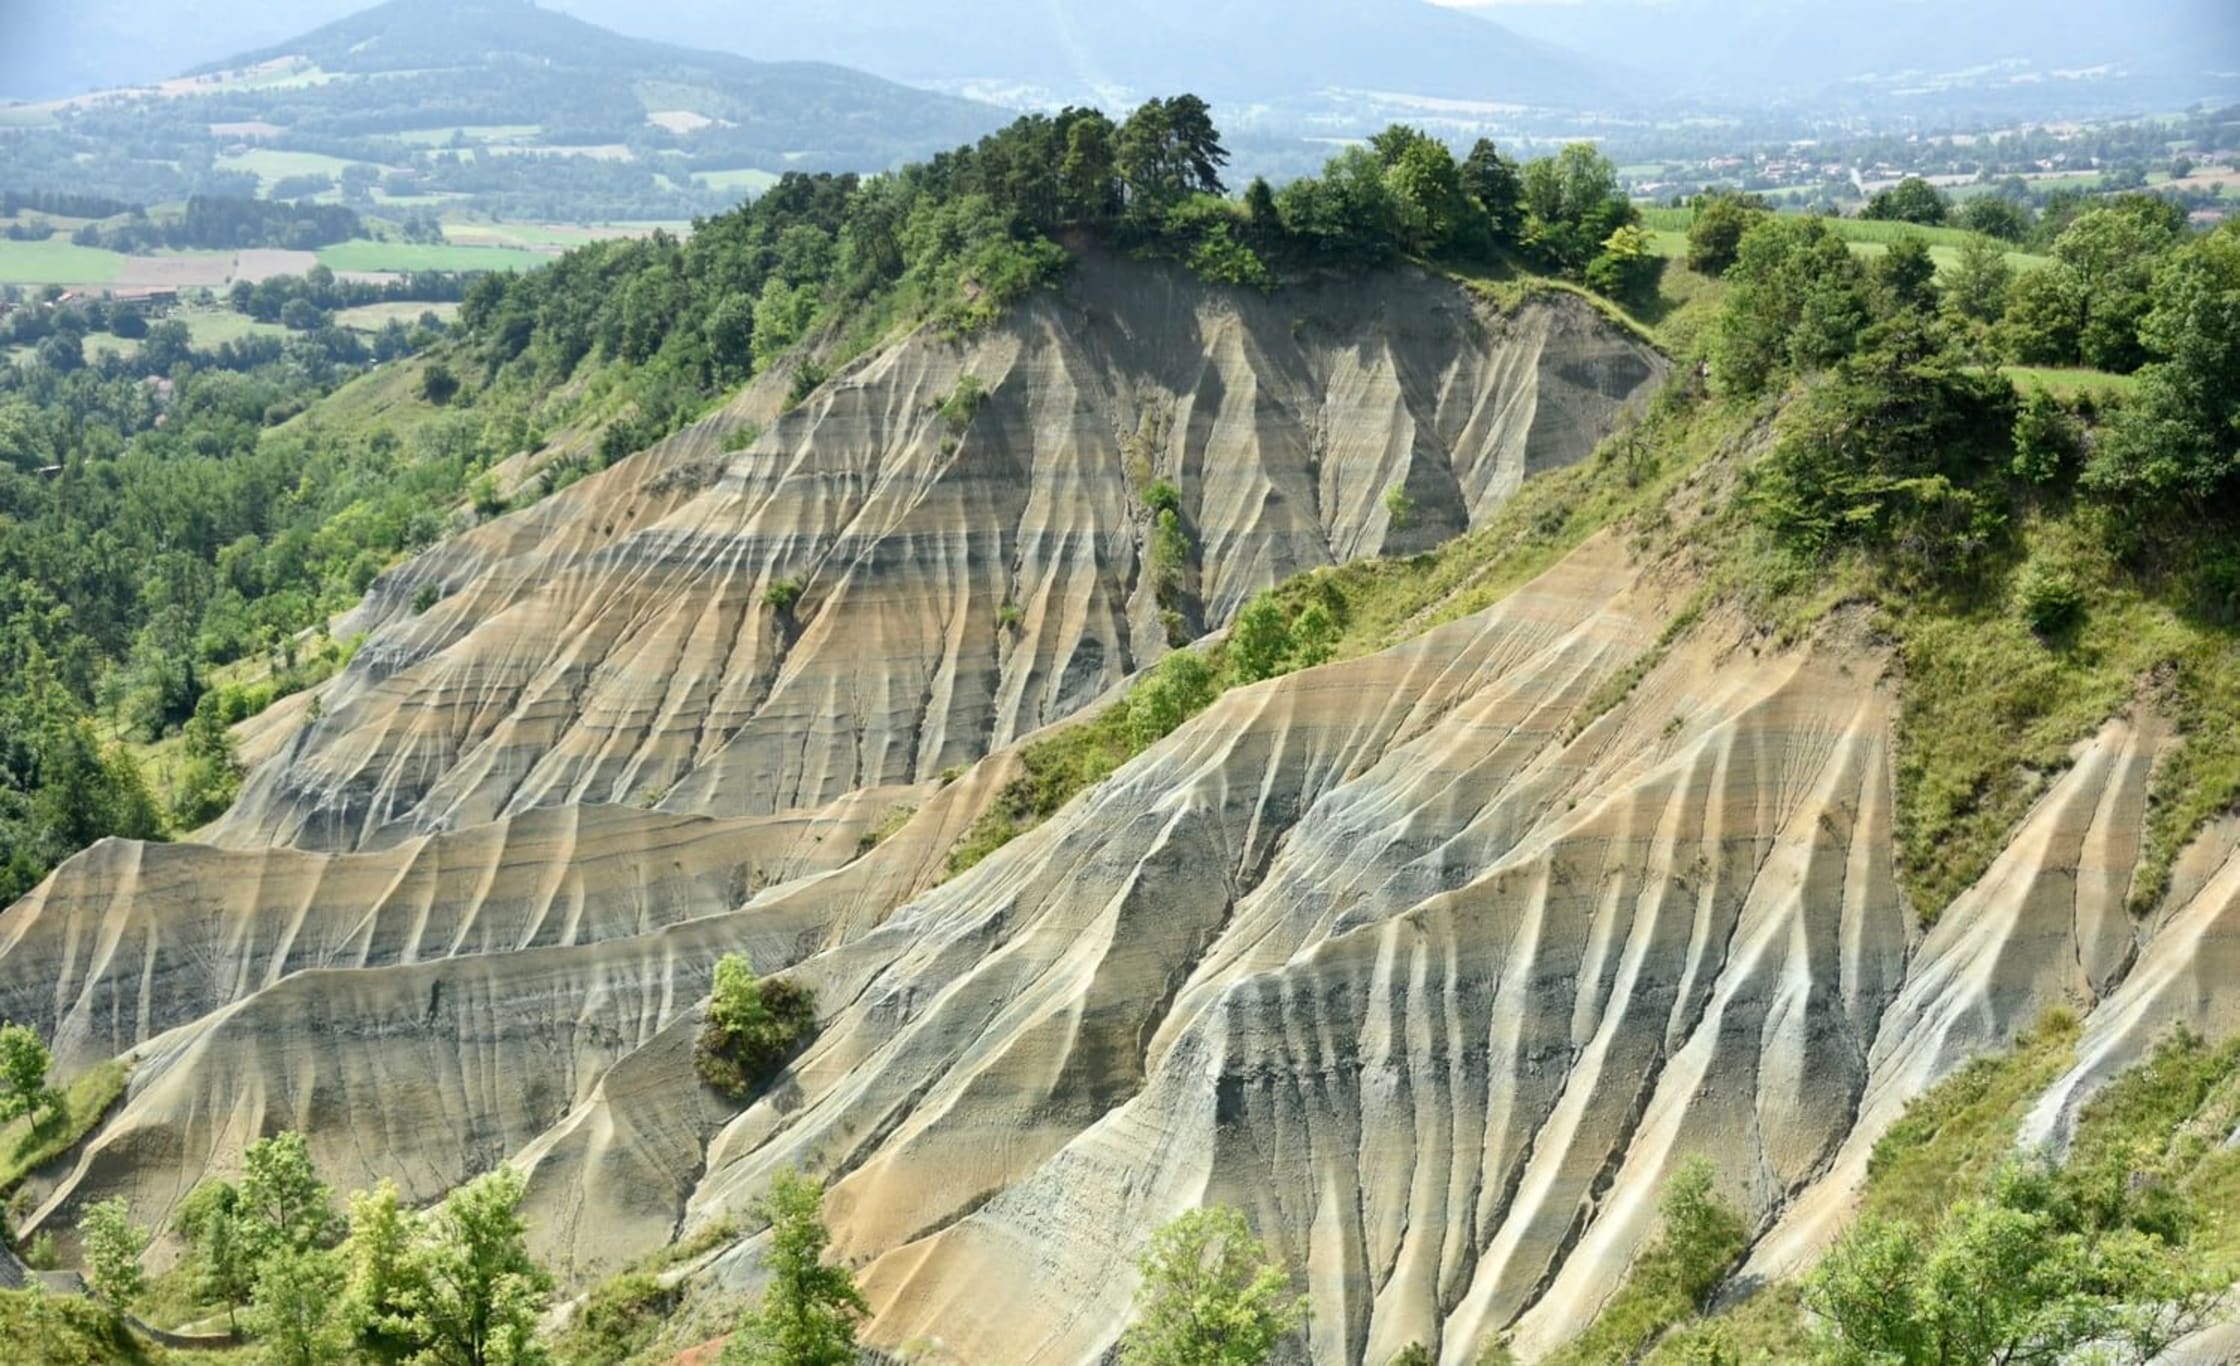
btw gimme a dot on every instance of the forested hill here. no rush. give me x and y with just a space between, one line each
493 104
511 62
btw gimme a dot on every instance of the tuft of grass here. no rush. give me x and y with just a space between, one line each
2069 383
39 1329
1620 686
1058 768
880 833
364 255
1953 1135
1769 1328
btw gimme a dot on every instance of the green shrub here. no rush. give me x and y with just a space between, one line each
2048 600
753 1027
1210 1296
1162 497
24 1065
1628 268
1715 230
437 384
888 825
618 1319
809 1309
113 1244
1674 1276
428 596
1398 507
1259 640
1177 690
2045 440
2020 1272
963 402
807 376
488 502
1892 454
782 595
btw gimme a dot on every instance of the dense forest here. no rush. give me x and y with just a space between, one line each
163 515
959 237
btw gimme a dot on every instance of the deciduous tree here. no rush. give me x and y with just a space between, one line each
810 1308
1210 1296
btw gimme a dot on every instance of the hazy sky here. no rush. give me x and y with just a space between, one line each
54 47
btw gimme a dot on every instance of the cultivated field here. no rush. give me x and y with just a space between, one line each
374 317
1868 237
59 262
56 261
269 165
364 257
549 235
750 180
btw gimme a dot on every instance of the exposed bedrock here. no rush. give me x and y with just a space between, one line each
960 583
1436 961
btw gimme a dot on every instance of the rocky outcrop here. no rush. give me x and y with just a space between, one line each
1435 961
875 591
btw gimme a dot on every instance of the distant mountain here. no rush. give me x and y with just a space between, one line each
1231 51
447 63
1725 49
433 106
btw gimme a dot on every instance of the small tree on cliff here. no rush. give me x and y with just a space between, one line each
753 1027
24 1064
1211 1296
808 1314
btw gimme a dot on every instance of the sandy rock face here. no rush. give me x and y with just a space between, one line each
1433 972
1436 962
960 582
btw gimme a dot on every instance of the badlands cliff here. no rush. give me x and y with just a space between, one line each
961 584
1435 960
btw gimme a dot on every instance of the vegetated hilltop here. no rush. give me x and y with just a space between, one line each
1696 793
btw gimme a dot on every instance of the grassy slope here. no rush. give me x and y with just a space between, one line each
23 1147
1868 237
56 261
65 1330
2164 1121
